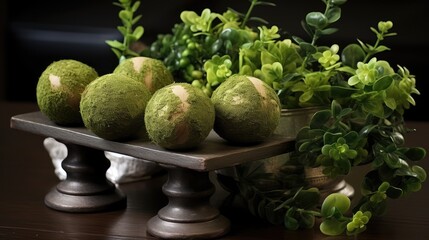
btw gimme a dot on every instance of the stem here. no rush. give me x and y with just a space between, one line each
371 53
126 42
312 212
316 35
249 11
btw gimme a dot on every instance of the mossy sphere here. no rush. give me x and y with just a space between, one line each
152 72
113 106
247 110
59 90
179 116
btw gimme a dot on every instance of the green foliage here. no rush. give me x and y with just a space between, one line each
363 124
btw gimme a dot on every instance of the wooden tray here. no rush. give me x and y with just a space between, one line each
188 213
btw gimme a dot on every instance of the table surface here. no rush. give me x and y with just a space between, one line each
27 174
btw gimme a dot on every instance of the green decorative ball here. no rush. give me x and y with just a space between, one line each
179 116
59 90
113 107
152 72
247 110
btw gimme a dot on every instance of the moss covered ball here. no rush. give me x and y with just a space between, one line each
179 116
247 110
59 90
113 106
152 72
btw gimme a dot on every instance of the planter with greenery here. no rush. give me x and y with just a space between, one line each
363 99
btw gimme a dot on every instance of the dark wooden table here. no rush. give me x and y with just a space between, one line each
27 174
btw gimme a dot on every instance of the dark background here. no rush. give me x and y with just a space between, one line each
35 33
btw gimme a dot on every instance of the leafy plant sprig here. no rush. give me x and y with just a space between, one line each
127 15
317 24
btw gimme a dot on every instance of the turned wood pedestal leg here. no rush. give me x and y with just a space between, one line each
86 188
188 214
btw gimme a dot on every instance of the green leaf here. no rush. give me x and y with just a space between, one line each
394 192
416 153
335 201
363 45
122 30
384 187
382 83
381 49
261 208
117 52
135 6
352 54
307 199
130 37
320 118
344 112
136 19
306 96
351 137
332 227
305 146
330 138
390 103
316 19
367 129
138 32
125 15
298 40
333 14
263 3
273 216
328 31
338 2
421 173
335 108
306 220
392 160
116 44
253 203
291 223
258 19
342 92
308 48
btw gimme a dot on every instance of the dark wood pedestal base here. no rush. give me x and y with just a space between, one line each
86 188
188 214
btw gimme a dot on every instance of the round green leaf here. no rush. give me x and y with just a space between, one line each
382 83
416 154
125 15
332 227
394 192
335 200
352 54
333 14
291 223
320 118
307 220
316 19
421 173
138 32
